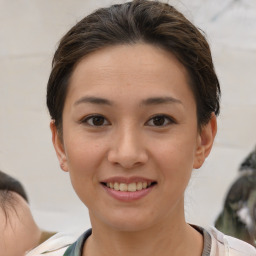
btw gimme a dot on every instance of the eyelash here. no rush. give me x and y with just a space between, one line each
167 120
89 118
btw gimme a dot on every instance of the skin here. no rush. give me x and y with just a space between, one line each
19 233
135 84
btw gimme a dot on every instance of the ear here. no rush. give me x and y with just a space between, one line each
59 147
205 141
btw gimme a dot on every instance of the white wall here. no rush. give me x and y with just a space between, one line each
29 32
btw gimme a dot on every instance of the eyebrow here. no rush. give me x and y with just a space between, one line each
93 100
160 100
149 101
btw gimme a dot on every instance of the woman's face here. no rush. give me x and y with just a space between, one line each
129 122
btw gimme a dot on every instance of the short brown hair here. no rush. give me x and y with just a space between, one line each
8 186
144 21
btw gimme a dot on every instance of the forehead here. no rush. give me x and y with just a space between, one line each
140 69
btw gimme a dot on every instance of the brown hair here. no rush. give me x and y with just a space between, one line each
8 185
144 21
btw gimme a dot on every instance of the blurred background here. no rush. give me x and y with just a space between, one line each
29 33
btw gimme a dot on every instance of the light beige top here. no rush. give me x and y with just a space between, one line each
216 244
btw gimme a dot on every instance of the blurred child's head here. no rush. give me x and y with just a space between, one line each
18 230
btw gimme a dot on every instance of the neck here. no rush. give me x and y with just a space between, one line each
166 238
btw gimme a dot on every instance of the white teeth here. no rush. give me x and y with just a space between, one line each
123 187
131 187
116 186
139 186
144 184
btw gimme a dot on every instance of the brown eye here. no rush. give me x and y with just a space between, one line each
96 120
160 120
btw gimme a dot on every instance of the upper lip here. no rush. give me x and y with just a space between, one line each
126 180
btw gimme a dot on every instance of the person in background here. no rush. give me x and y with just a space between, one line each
238 217
133 97
19 232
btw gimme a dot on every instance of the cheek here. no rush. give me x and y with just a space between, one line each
175 157
178 151
84 157
83 154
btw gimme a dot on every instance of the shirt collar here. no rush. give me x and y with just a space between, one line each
76 248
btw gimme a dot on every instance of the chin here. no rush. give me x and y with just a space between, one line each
129 222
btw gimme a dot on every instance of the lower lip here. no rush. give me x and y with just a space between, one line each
128 196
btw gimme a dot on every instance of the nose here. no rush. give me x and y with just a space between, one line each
128 149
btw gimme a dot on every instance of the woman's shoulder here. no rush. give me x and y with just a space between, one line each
227 245
56 245
221 245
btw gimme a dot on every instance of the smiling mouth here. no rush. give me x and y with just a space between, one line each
128 187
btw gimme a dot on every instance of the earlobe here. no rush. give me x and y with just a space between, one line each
205 141
58 146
